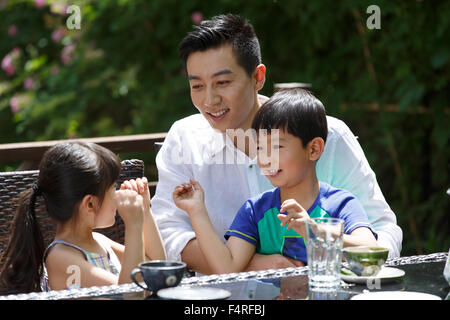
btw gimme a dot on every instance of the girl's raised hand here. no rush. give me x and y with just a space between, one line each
140 185
130 206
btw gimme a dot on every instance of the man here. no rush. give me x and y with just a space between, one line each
223 63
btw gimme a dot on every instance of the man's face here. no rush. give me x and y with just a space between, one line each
221 90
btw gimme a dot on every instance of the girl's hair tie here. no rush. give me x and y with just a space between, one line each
36 189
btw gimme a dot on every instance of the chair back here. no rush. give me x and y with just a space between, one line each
12 184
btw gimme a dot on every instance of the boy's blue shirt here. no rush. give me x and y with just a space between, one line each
257 221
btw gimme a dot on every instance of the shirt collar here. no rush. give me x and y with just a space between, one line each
220 143
217 142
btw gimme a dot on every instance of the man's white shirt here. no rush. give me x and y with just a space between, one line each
192 149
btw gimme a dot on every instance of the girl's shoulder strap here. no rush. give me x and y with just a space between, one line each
55 242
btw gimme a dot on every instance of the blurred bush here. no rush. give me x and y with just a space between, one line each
120 74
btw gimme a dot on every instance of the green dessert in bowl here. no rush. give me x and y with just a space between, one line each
365 261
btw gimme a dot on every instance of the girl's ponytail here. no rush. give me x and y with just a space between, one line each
23 257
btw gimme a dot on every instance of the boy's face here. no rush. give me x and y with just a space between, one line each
221 90
284 160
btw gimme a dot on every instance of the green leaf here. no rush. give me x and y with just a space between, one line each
36 63
440 58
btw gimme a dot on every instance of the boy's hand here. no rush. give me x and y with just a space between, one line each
189 197
295 218
130 206
140 185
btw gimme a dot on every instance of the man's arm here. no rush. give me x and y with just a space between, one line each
344 165
174 224
193 256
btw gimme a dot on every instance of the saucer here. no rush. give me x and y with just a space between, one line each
197 293
386 274
395 295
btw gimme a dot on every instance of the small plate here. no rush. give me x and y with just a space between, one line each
395 295
386 274
197 293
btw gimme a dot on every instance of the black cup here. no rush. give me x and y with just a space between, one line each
159 274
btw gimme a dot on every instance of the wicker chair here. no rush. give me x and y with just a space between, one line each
12 184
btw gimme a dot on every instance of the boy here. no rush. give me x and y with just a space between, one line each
301 122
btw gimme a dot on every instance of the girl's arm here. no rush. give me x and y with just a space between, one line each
222 258
118 248
133 252
130 207
154 247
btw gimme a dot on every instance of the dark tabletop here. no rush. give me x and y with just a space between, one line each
422 274
421 277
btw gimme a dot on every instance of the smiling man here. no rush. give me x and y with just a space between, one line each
223 63
221 90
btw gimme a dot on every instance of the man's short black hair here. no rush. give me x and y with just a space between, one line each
296 111
222 30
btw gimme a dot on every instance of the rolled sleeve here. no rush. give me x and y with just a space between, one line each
174 224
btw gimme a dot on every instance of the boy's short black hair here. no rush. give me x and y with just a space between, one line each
222 30
296 111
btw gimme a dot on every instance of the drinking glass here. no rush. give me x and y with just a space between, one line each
324 252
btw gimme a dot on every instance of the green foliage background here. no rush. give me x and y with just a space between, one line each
122 75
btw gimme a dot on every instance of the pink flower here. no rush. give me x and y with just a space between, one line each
2 4
54 70
14 104
67 54
58 34
7 65
9 61
40 3
59 8
28 83
12 30
196 17
15 52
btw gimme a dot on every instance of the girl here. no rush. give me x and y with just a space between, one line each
77 181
